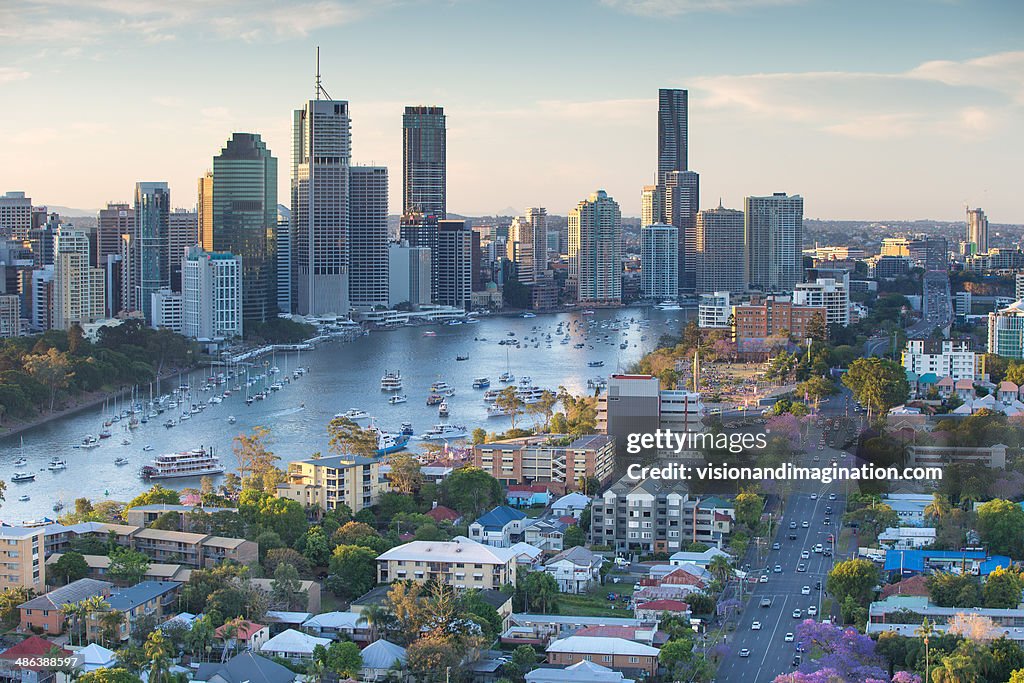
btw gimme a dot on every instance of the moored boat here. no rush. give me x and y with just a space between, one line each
197 462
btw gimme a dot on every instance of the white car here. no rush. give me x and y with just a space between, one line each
831 496
744 652
778 569
797 614
763 579
812 610
806 590
805 555
814 496
805 524
756 626
788 638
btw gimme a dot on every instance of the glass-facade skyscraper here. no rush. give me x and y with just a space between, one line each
245 218
672 140
152 244
368 236
424 161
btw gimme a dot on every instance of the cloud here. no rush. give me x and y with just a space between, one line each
9 74
669 8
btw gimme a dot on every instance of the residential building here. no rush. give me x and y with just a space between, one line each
454 264
167 310
310 588
1006 329
954 358
380 659
245 218
99 567
424 162
150 245
16 662
681 196
581 671
672 131
652 205
42 294
930 253
182 233
78 287
713 310
460 563
720 255
888 267
139 604
615 653
16 215
283 244
889 616
326 483
993 457
570 505
420 230
44 613
368 236
244 668
10 316
145 515
595 250
500 527
704 558
827 293
977 231
659 261
774 241
321 151
527 245
212 295
1018 286
906 538
774 316
408 275
341 626
544 459
546 534
295 646
576 570
909 507
249 635
204 219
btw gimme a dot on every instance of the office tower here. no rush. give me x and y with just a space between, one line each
151 244
409 275
182 233
454 258
212 297
681 197
672 143
652 205
113 283
659 261
42 293
15 215
167 310
245 218
977 231
129 273
424 161
205 208
595 250
320 159
420 230
112 222
10 316
721 263
283 242
78 286
775 242
527 244
40 240
368 236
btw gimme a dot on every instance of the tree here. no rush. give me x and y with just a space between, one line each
435 658
405 475
574 536
348 438
155 495
71 566
510 403
51 369
937 510
1002 589
255 459
852 578
524 660
947 589
676 652
720 569
115 675
168 521
352 532
479 436
127 566
344 659
286 589
816 388
876 383
1000 523
353 571
925 632
471 491
159 654
317 549
749 506
536 592
278 556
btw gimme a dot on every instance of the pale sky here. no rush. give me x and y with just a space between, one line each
874 109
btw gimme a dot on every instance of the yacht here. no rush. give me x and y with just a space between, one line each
105 434
491 395
232 420
529 315
197 462
434 399
388 443
495 411
24 498
355 414
439 386
442 410
481 383
58 506
23 476
147 448
121 461
20 462
391 381
395 400
57 464
90 442
430 333
443 432
506 377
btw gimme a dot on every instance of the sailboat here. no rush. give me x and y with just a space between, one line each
506 376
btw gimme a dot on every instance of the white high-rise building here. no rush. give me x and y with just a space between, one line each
211 295
15 215
1006 331
40 315
78 289
713 310
527 244
320 192
720 258
409 275
10 316
595 250
167 308
368 236
659 261
833 295
283 241
774 235
953 358
977 231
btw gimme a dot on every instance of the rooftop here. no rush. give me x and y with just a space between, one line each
499 517
139 594
73 593
461 549
602 645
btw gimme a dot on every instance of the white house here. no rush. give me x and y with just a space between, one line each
336 625
702 559
570 505
295 646
906 537
527 556
545 534
584 670
575 569
501 527
379 659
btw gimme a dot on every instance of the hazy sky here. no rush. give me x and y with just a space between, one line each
868 108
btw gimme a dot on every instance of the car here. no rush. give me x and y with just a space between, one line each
834 464
827 552
797 614
776 546
797 659
636 586
821 446
817 585
804 555
818 548
778 569
831 496
806 590
801 567
788 638
792 525
812 610
745 652
755 626
814 496
816 459
763 579
805 524
828 509
792 536
766 602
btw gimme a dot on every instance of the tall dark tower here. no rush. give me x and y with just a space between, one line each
424 161
671 132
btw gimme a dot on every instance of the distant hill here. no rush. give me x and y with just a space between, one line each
71 212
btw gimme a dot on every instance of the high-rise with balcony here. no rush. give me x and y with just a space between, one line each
78 287
774 241
245 218
595 250
672 139
151 245
424 161
283 242
212 295
527 244
420 230
112 222
368 236
977 231
720 260
659 261
681 200
320 160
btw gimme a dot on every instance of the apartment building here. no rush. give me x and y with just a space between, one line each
953 358
713 310
993 457
21 558
547 459
45 612
460 563
144 600
144 515
615 653
828 293
889 616
326 483
755 322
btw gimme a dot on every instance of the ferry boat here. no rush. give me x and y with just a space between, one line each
391 381
442 410
406 429
355 414
491 395
481 383
197 462
395 400
23 476
443 432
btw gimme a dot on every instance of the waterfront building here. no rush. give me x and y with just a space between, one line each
167 310
368 236
424 161
409 275
527 245
151 245
245 219
21 557
713 310
454 259
182 233
212 295
720 256
205 211
420 230
681 196
42 293
78 286
595 250
652 205
547 459
283 244
774 241
659 261
325 484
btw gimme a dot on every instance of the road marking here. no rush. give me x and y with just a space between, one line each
771 641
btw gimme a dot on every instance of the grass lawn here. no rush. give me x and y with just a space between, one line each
596 603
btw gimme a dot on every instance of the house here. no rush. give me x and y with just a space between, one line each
539 629
340 626
615 653
156 571
964 388
32 648
571 504
906 537
916 585
145 599
945 386
655 608
295 646
575 569
440 513
279 620
310 588
528 495
246 667
95 656
665 591
701 559
581 671
380 659
500 527
546 534
461 563
527 556
43 613
243 634
889 616
909 507
1008 392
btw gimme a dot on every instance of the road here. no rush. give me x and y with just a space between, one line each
936 311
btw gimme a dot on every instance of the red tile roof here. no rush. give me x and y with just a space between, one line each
569 519
528 488
442 514
665 606
915 585
245 630
32 647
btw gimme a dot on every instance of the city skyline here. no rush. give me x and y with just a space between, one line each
824 119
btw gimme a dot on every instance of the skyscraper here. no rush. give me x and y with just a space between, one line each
774 241
320 160
659 261
152 234
681 197
595 250
78 294
527 244
420 230
111 223
245 218
652 205
424 161
15 215
672 141
977 231
454 257
211 295
182 233
283 242
368 236
721 263
205 209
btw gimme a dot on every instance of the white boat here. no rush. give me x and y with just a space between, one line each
20 462
197 462
391 381
24 498
147 448
495 411
442 410
443 432
529 315
355 414
395 400
491 395
595 363
506 377
439 386
121 461
35 523
231 419
23 476
57 464
481 383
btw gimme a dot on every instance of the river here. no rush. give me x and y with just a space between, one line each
341 376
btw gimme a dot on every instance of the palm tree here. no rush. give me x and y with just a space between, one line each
72 613
938 509
158 653
380 619
720 569
924 632
110 626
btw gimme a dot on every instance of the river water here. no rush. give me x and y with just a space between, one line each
341 376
